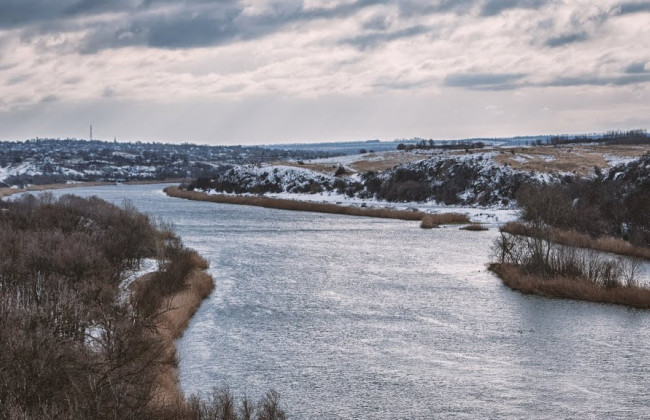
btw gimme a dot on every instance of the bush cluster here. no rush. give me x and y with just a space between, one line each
70 347
616 205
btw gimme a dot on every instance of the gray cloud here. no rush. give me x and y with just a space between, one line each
562 40
494 7
377 23
628 79
410 8
402 84
207 24
484 81
162 23
636 68
49 98
19 79
634 7
373 39
25 12
171 24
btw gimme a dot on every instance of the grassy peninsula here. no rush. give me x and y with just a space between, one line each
296 205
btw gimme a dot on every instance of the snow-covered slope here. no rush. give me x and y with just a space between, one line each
466 179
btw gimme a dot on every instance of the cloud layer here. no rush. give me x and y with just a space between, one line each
249 52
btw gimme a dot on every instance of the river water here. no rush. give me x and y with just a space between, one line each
351 317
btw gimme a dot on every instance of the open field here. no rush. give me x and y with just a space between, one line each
577 159
282 204
358 163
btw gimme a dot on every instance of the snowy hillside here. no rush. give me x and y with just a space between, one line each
484 178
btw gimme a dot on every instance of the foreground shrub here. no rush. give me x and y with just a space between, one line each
222 404
70 347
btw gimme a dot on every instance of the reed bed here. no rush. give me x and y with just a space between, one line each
283 204
580 240
570 287
475 227
176 310
430 221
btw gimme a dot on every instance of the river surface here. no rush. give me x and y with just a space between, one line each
350 317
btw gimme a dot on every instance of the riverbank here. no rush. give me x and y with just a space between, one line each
175 312
570 287
578 240
8 191
285 204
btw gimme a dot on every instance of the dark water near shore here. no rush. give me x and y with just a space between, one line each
367 318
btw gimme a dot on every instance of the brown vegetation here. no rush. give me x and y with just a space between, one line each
173 294
430 221
69 347
475 227
579 240
534 264
580 159
282 204
570 287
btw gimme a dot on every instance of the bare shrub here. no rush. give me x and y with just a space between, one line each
581 240
221 405
68 347
536 265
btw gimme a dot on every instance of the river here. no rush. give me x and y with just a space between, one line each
350 317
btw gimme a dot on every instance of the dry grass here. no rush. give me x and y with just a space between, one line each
581 240
578 159
366 162
282 204
177 310
571 288
430 221
475 227
181 306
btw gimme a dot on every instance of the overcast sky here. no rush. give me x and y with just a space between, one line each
267 71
